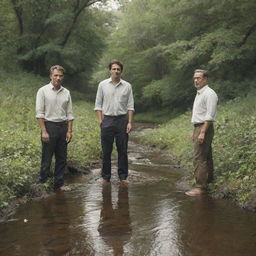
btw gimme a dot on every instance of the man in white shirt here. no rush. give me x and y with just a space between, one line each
203 116
55 117
114 106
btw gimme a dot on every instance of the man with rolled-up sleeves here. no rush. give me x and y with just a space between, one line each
203 117
55 118
114 106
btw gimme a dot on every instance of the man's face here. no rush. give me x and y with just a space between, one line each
57 77
199 80
115 71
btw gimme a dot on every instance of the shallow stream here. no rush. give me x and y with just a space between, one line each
149 217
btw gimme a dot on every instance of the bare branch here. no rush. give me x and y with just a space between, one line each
249 32
19 12
77 11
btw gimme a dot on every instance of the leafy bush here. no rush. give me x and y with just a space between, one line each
20 150
234 148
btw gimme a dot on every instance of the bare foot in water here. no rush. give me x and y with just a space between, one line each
125 182
64 188
195 192
105 182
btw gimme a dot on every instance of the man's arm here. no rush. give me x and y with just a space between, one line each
203 130
99 116
45 136
70 119
130 107
40 112
130 117
211 105
70 130
98 104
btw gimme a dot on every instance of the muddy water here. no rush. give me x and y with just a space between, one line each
149 217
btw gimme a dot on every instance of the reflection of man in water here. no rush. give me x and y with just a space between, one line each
54 218
114 226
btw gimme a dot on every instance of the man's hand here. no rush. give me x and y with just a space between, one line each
45 136
201 137
68 136
129 127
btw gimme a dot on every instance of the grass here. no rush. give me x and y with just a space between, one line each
234 143
234 148
156 116
20 150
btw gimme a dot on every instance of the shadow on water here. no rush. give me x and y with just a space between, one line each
149 217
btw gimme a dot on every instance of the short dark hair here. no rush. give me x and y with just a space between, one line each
58 67
115 61
203 71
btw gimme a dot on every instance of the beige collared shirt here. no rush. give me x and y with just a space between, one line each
205 105
114 100
52 105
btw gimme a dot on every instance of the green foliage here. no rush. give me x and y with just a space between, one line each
234 147
38 34
162 42
20 152
85 145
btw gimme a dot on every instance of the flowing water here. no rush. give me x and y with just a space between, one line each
149 217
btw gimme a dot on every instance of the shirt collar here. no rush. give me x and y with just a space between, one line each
52 87
110 81
202 89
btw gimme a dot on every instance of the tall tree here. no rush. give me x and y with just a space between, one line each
163 41
45 32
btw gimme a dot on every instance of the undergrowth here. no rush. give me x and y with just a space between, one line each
234 148
20 152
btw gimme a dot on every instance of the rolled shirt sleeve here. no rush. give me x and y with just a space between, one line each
40 106
69 110
99 98
211 106
130 105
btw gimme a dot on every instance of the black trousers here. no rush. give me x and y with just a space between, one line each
57 146
114 128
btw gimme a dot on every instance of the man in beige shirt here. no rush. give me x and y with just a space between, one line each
203 116
55 117
114 106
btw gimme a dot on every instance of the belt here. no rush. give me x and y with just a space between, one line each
57 123
115 117
198 124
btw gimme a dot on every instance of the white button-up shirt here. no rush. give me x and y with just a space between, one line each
52 105
205 105
114 100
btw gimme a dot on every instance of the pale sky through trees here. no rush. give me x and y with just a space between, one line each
110 5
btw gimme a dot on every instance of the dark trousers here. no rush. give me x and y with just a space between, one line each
114 128
203 162
57 146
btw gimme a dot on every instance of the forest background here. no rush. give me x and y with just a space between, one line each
160 43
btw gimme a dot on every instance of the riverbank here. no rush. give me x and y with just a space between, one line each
234 149
234 144
20 138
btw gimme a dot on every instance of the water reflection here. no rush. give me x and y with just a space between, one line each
211 228
45 233
115 223
165 232
54 234
149 218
